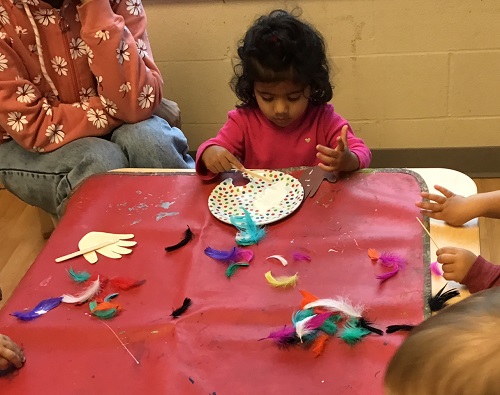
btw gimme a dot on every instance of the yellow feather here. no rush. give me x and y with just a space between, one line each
282 281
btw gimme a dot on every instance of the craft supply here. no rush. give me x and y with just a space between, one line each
312 178
267 203
86 250
188 236
429 233
181 310
438 301
254 174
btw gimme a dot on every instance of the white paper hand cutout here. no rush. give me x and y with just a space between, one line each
114 250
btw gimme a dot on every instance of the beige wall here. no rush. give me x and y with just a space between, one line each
408 73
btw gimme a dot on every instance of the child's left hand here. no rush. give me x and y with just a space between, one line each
456 262
339 158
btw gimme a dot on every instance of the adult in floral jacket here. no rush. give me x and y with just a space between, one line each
78 93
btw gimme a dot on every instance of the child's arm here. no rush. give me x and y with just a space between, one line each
457 210
10 353
220 153
482 275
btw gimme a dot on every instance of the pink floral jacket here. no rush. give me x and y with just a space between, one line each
77 71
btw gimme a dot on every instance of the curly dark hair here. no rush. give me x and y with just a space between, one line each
280 47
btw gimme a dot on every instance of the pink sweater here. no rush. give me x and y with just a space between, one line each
482 275
93 72
260 144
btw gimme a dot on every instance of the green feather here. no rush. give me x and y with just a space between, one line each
79 277
301 315
352 333
233 267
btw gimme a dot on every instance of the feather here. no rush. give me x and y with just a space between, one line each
341 305
330 326
352 333
124 283
387 275
319 344
307 298
282 281
301 314
110 296
373 254
279 258
284 337
436 269
92 290
181 310
248 231
41 308
310 324
233 267
301 256
79 277
390 259
188 236
438 301
395 328
364 323
104 310
233 255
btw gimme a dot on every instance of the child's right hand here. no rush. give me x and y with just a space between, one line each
456 262
10 353
451 208
217 159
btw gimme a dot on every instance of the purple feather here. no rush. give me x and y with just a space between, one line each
388 275
41 308
390 259
233 255
318 320
301 256
221 255
284 337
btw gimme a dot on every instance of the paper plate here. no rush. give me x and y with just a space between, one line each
265 202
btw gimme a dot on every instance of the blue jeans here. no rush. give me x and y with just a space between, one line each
47 179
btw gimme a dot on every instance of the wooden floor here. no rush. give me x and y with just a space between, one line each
21 238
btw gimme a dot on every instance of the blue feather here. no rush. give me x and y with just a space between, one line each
41 308
249 232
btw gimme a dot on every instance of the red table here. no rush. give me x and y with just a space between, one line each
214 347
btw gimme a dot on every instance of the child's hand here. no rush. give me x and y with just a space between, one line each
10 353
340 158
217 159
456 262
451 208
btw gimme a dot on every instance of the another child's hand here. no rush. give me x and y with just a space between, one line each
456 262
339 158
10 353
451 208
217 159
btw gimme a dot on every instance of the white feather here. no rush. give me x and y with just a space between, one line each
340 304
280 258
87 294
301 327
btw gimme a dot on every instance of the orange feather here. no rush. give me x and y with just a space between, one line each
319 344
373 254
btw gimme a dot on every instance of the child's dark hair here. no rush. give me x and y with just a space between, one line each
280 47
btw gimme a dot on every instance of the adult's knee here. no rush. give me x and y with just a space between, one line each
153 143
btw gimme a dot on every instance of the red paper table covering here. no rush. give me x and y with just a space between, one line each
214 347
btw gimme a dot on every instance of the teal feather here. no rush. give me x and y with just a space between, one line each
329 327
249 232
352 333
301 315
79 277
233 267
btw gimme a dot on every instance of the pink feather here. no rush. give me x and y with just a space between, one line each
436 269
388 275
301 256
390 259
